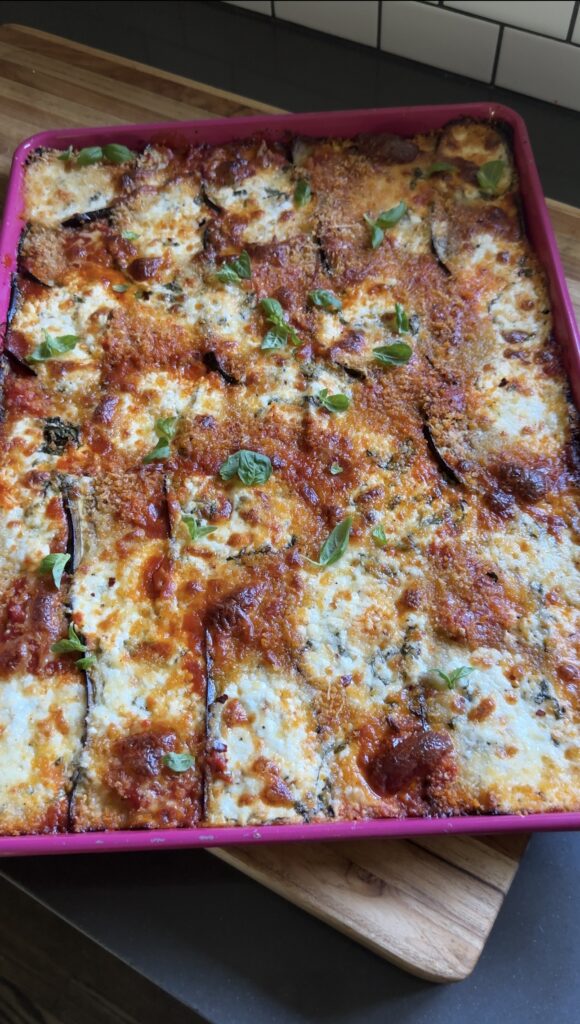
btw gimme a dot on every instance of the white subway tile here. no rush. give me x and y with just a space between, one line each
259 6
552 17
356 20
439 37
540 67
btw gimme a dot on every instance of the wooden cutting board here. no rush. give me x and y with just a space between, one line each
427 904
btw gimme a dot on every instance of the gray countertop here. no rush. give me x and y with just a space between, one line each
235 952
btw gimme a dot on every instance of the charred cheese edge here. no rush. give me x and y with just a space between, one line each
235 678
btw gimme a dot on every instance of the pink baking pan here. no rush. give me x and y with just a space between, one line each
399 120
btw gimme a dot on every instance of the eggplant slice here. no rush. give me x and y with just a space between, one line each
447 471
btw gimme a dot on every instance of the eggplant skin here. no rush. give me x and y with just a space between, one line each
78 220
74 500
212 363
447 471
58 434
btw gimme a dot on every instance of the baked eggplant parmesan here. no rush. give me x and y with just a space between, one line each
288 490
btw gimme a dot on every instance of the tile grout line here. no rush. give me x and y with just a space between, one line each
465 14
497 54
572 25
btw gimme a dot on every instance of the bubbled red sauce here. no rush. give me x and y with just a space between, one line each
398 756
136 771
157 577
255 617
31 620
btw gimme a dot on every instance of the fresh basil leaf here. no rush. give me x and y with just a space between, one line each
85 662
377 233
165 430
51 347
120 288
379 536
302 192
178 762
236 270
273 340
489 176
325 299
157 454
118 154
272 309
243 266
196 529
335 469
282 329
250 467
129 236
389 218
396 354
54 564
89 155
439 167
292 335
333 403
227 275
386 219
73 642
336 543
401 319
66 155
452 678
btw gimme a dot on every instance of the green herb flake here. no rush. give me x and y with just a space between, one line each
302 192
401 319
273 339
120 288
489 176
178 762
66 155
237 270
118 154
250 467
129 236
452 678
72 642
325 300
333 403
196 529
336 468
54 564
397 354
86 662
89 155
51 347
165 430
335 544
379 536
386 219
283 331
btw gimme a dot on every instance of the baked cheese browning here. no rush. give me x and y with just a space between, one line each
296 411
264 759
146 684
57 190
42 708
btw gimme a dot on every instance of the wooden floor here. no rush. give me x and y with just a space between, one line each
51 974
